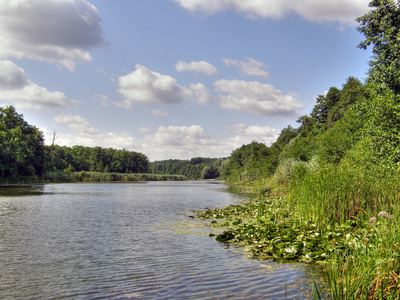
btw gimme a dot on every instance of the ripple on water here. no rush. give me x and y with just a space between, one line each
97 241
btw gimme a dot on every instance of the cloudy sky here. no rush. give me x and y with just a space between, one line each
174 78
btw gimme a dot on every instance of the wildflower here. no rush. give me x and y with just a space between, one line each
372 220
384 214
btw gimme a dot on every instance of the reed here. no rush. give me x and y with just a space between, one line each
84 176
344 216
336 194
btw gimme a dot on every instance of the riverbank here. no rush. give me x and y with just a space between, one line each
331 217
85 176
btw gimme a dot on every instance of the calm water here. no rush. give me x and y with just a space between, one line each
111 241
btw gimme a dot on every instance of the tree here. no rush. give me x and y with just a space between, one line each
320 112
381 28
21 146
209 172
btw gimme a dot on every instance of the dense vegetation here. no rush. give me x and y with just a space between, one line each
195 168
21 146
330 192
97 159
24 157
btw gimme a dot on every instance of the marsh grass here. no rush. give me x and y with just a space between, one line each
336 194
85 176
368 266
345 218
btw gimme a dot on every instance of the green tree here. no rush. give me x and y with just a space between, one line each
325 104
209 172
250 162
381 28
21 146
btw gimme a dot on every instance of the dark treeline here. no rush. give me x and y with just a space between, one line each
97 159
195 168
22 150
23 153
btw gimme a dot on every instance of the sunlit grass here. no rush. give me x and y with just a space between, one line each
345 216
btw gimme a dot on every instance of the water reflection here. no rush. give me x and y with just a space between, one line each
87 241
21 190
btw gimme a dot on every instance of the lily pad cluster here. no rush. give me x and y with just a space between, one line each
281 234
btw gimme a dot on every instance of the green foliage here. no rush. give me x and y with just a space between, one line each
333 127
381 28
382 114
209 172
196 168
23 153
291 170
336 141
21 146
250 162
97 159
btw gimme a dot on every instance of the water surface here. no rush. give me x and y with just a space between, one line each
97 241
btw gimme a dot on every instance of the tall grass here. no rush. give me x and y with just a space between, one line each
68 177
124 177
334 194
370 271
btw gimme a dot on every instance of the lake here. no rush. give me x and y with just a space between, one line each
127 241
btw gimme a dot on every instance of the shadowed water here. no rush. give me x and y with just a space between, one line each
96 241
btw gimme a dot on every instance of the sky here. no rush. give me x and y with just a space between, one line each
174 79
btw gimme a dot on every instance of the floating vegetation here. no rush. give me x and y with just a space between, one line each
360 258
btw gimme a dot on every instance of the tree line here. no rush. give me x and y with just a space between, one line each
359 121
23 153
96 159
195 168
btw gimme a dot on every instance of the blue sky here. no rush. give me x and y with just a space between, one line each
174 78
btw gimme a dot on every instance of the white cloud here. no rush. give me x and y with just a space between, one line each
186 142
256 98
57 31
148 87
82 133
263 134
200 67
144 130
159 113
201 93
103 100
16 88
342 11
180 142
76 123
250 67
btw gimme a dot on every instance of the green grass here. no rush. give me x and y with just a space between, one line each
84 176
330 216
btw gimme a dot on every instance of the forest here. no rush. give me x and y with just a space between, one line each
23 154
195 168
